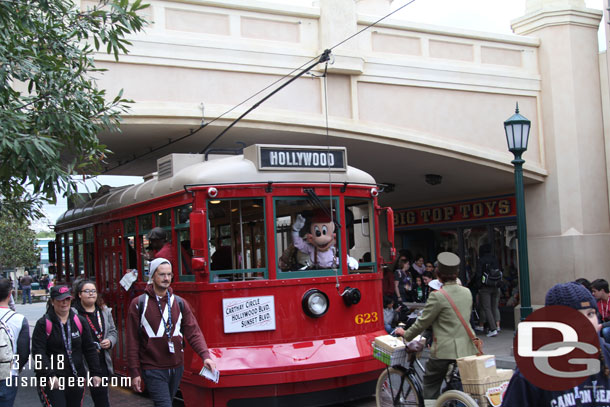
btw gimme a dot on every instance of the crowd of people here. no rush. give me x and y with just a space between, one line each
71 342
24 285
74 337
490 286
450 338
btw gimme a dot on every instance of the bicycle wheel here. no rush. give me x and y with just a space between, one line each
455 398
395 388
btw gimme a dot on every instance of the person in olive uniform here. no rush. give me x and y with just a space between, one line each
450 339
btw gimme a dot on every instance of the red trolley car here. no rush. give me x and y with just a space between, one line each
282 328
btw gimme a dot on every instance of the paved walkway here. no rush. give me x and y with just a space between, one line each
501 346
28 396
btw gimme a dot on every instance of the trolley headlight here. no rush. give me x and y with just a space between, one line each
315 303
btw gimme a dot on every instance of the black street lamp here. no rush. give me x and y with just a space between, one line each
517 129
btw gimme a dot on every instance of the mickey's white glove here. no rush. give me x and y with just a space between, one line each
352 263
298 224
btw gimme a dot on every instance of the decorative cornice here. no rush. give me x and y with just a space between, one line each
549 17
257 6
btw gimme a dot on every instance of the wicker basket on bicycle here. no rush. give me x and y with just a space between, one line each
390 350
482 380
394 351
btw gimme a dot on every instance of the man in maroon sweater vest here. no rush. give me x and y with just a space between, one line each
154 341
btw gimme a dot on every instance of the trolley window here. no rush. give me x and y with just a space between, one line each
360 230
185 254
70 256
307 239
237 240
129 227
89 253
62 256
144 226
79 252
164 219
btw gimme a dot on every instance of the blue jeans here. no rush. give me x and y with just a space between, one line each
162 384
27 291
8 393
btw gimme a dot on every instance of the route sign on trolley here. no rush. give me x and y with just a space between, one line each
248 314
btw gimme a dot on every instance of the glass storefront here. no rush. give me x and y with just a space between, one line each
462 228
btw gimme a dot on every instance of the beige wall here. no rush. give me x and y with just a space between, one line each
436 94
568 226
220 53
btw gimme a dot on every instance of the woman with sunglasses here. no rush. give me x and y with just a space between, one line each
61 343
99 318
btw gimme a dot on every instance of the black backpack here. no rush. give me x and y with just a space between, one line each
492 276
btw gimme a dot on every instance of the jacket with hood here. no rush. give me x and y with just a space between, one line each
51 351
147 341
109 330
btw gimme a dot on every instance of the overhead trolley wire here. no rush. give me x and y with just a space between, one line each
323 57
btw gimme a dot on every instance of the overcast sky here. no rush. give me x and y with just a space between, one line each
481 15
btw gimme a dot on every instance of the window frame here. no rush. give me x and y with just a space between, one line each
285 275
214 274
178 228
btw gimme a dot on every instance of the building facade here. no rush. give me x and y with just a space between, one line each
419 107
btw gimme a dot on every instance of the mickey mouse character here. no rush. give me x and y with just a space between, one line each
320 241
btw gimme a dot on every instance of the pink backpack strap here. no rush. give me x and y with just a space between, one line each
49 326
78 324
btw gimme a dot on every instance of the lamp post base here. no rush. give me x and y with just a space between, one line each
525 312
521 313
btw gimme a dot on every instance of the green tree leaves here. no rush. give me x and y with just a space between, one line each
18 244
51 110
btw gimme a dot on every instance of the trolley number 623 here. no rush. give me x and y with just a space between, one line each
366 318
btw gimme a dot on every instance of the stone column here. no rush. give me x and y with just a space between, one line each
567 215
338 21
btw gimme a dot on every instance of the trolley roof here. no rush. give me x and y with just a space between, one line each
260 163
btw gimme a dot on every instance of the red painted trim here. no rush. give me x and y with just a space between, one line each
182 197
343 248
330 369
270 233
378 257
96 251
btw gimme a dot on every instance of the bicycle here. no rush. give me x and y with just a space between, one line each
400 384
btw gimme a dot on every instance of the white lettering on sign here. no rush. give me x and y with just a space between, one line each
302 159
248 314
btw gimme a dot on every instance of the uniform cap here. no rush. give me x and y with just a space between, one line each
448 262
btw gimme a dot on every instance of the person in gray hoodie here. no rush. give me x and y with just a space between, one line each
91 306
